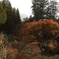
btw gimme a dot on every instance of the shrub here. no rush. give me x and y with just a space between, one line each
17 46
45 57
26 51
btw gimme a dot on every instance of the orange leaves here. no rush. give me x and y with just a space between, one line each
34 43
52 44
11 53
51 22
39 30
27 19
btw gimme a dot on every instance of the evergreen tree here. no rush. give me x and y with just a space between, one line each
51 10
31 18
18 16
43 9
13 16
39 9
9 23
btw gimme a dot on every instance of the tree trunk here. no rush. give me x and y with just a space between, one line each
40 45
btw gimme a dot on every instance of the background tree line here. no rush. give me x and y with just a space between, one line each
10 17
44 9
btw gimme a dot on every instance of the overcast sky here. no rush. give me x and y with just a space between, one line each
24 6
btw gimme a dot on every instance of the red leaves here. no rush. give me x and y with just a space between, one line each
39 30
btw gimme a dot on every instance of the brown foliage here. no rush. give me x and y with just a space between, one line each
23 56
40 31
18 45
11 53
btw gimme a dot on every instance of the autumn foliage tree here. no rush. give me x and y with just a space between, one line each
40 31
11 53
26 21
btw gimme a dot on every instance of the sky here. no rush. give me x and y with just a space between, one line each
24 6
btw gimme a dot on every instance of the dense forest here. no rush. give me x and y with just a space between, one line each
37 37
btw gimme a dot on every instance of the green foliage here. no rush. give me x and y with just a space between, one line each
2 14
56 57
26 51
43 9
24 54
45 57
39 9
41 57
51 10
10 38
9 17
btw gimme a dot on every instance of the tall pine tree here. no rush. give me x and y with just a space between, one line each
51 10
43 9
38 9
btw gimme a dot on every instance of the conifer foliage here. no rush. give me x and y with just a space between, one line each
9 17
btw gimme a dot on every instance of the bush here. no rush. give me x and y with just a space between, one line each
17 46
56 57
10 38
26 51
41 57
45 57
23 56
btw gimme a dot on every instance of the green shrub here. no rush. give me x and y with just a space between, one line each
26 51
41 57
56 57
10 38
45 57
17 46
